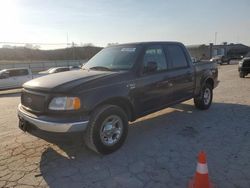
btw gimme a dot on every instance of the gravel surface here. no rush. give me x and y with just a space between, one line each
160 151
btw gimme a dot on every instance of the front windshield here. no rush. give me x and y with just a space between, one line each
114 58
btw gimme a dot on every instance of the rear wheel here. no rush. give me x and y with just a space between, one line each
204 100
107 129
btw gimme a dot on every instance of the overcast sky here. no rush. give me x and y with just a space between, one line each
107 21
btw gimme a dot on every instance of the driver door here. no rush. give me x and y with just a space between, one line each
152 88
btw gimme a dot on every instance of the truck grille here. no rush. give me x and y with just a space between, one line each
246 63
34 102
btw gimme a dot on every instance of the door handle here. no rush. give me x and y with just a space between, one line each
164 84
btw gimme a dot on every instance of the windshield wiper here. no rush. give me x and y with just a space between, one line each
100 68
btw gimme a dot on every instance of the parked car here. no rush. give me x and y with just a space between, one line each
75 67
220 59
54 70
14 78
119 84
244 67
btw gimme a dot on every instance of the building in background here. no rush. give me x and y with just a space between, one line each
229 51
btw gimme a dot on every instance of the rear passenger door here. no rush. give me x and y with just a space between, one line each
181 73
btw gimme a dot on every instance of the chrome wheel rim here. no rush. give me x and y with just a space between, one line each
207 96
111 130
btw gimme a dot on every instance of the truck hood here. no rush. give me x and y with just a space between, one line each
62 82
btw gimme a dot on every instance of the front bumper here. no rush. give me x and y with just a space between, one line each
52 125
216 83
244 69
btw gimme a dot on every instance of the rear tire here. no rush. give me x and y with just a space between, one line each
242 74
204 99
107 129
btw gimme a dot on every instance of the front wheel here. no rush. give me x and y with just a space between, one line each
242 74
107 129
204 100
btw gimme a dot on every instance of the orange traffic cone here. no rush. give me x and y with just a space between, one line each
201 179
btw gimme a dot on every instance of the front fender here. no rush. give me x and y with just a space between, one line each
202 81
97 96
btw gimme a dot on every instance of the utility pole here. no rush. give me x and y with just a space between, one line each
73 48
215 37
67 39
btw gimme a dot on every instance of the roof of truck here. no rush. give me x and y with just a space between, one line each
149 42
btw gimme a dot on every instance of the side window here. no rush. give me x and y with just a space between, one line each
13 73
23 72
4 74
61 69
156 55
177 55
18 72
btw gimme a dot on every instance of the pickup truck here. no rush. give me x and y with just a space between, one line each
119 84
244 67
14 78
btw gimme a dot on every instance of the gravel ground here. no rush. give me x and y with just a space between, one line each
160 151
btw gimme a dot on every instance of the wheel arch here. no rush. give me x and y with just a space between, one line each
121 102
209 81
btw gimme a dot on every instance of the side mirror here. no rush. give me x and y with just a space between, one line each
151 67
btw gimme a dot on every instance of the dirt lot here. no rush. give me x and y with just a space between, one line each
160 150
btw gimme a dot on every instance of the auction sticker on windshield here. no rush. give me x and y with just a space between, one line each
128 49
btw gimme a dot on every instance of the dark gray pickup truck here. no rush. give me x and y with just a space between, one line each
119 84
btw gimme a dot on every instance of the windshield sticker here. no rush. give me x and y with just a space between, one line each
128 49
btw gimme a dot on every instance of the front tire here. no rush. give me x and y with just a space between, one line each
204 100
242 74
107 129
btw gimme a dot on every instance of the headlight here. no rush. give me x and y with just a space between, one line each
240 63
65 103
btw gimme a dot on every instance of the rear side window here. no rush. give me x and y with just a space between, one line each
18 72
177 56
